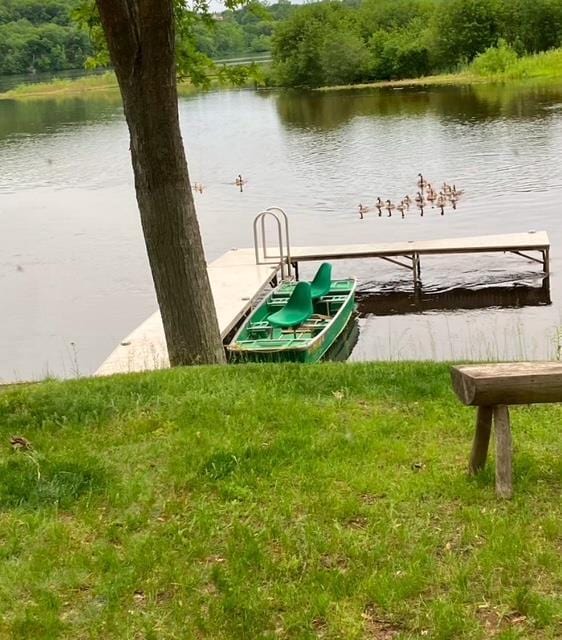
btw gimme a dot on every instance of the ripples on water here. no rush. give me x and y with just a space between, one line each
72 261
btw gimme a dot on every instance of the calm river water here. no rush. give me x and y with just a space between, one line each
74 277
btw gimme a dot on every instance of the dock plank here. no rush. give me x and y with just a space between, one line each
235 280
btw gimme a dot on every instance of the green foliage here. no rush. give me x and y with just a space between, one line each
38 35
495 60
463 29
408 38
320 43
287 502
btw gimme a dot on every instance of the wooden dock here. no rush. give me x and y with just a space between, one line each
237 282
408 254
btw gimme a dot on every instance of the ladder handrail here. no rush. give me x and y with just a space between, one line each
275 213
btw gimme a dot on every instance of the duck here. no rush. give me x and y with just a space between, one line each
419 199
389 206
401 207
421 182
431 195
456 192
363 209
441 200
198 186
407 200
446 188
379 203
240 181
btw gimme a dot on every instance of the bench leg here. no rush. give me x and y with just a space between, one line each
504 486
481 440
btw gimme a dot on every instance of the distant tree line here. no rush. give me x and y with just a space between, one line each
348 42
39 35
241 32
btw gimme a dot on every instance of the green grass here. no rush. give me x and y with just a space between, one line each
105 82
327 501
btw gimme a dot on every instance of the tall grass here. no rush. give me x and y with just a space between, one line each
101 82
502 63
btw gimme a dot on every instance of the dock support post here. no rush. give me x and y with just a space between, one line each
546 261
296 270
416 269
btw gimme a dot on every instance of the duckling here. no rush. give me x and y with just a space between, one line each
363 210
421 182
441 201
389 207
456 192
446 188
407 200
431 195
240 181
401 207
419 199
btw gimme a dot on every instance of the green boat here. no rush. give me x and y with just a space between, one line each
297 321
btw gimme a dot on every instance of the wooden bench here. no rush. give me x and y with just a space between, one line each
491 388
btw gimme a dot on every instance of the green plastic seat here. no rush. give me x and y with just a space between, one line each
297 310
322 281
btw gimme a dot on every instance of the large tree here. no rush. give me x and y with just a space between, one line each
141 40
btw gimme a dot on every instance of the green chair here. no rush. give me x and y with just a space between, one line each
322 281
297 310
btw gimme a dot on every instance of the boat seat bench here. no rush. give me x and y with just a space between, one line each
492 388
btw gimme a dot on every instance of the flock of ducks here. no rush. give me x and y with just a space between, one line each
239 182
426 196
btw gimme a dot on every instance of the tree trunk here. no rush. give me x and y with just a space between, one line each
141 39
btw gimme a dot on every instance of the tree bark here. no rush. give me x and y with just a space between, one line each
141 39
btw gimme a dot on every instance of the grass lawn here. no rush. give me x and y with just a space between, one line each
326 501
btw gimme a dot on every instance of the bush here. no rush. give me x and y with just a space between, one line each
495 60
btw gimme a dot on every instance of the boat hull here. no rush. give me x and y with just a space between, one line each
310 351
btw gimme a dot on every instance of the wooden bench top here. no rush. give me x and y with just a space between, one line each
508 383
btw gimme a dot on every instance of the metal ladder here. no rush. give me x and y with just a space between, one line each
283 258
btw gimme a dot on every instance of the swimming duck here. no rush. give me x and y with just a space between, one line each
240 181
362 210
407 200
419 199
441 200
421 182
401 207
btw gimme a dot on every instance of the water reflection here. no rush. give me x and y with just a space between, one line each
386 303
29 117
465 104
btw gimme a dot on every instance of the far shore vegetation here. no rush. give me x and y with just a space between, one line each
496 65
282 501
319 45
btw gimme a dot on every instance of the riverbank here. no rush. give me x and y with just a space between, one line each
272 501
545 66
105 83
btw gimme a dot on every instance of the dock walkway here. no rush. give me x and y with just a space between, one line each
411 251
237 282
